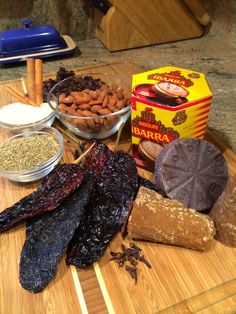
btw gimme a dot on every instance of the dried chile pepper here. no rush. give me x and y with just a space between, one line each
47 237
97 160
108 209
62 181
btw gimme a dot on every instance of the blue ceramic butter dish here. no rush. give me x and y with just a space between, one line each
39 42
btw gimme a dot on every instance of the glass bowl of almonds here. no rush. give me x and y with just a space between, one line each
94 105
29 156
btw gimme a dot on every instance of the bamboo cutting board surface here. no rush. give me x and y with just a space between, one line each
180 281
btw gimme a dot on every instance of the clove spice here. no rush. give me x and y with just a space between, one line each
129 257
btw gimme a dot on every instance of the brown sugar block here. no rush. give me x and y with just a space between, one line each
224 214
158 219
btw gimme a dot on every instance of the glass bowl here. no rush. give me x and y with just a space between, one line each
38 124
92 108
37 172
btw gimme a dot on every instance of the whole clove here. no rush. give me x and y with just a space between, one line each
129 257
133 272
143 259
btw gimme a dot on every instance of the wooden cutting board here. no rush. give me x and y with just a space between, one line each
180 281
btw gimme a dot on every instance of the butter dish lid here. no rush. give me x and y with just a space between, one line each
27 40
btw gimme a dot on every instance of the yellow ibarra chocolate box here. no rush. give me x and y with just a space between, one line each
167 103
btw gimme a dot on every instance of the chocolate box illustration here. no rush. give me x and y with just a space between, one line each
167 103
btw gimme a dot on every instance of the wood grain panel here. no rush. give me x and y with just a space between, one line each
92 291
115 36
129 24
176 276
159 20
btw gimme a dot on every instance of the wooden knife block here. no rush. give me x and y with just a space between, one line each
134 23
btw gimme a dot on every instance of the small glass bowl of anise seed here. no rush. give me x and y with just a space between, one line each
94 105
30 155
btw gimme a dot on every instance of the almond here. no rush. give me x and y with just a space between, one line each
96 108
105 101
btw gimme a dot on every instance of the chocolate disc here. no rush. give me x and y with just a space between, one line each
191 171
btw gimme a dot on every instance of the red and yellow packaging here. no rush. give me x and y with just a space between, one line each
167 103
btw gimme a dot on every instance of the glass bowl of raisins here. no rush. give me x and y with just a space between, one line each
94 105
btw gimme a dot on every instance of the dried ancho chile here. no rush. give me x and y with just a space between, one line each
47 237
115 187
129 257
62 181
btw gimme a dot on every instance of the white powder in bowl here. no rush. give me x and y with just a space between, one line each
20 114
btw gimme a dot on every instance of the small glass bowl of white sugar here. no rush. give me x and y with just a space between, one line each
20 117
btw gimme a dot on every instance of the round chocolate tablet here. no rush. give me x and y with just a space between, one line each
191 171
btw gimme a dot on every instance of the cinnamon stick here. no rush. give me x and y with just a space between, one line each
31 78
21 97
39 81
